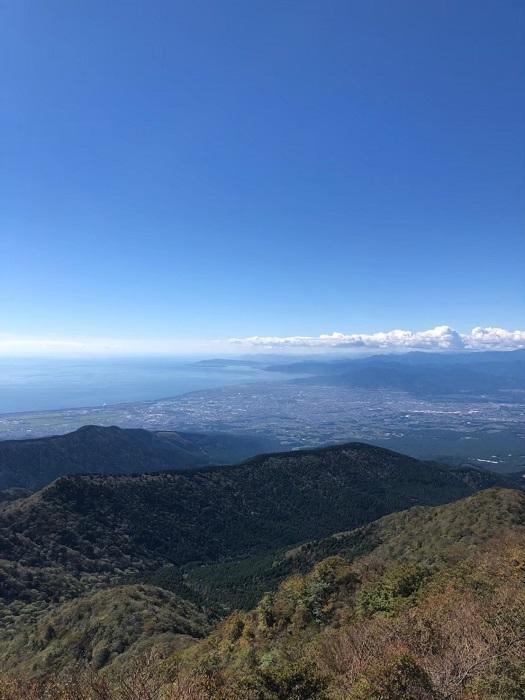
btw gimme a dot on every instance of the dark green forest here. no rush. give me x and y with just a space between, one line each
346 572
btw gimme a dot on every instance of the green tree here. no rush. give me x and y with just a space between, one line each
401 679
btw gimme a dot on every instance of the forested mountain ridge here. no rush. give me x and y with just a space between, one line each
427 604
87 531
100 569
431 535
268 501
33 463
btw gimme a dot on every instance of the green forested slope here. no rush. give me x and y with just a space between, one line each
36 462
99 570
86 529
111 625
429 535
446 620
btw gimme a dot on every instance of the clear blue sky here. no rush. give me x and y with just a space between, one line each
207 169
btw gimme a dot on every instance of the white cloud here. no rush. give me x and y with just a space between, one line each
497 338
438 338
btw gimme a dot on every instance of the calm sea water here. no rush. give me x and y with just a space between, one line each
38 385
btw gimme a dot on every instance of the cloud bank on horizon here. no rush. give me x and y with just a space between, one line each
438 338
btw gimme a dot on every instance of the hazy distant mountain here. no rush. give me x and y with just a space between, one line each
419 372
226 362
423 379
333 364
34 463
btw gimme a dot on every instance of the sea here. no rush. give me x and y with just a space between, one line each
31 384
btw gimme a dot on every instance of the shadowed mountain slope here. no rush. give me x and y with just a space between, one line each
422 534
36 462
268 501
87 531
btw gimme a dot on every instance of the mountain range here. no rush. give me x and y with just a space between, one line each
336 572
419 373
33 463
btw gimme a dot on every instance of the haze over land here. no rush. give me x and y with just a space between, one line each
466 408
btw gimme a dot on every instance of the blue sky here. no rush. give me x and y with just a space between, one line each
197 170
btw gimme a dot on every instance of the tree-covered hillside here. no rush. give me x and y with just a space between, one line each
36 462
110 573
112 624
108 526
429 535
426 604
